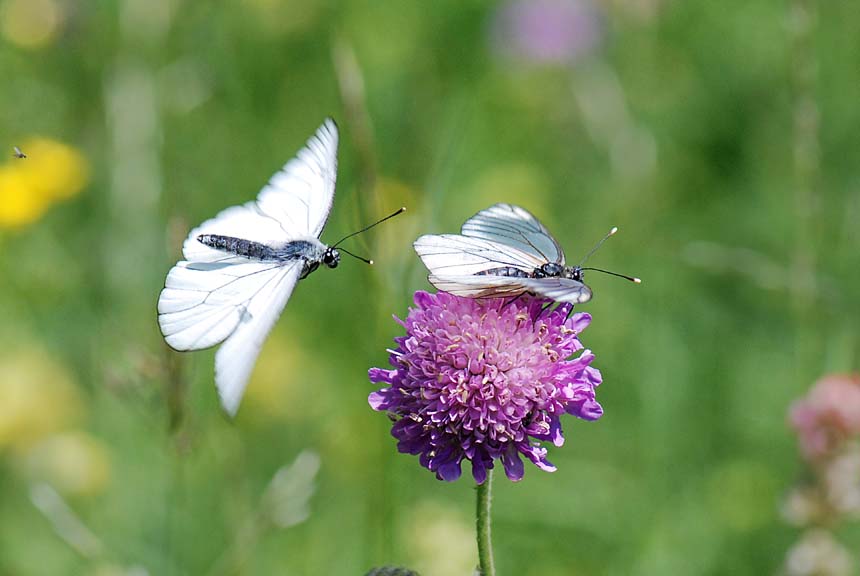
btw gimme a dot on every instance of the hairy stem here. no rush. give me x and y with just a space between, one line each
486 565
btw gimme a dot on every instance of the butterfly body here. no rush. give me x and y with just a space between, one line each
508 271
310 251
548 270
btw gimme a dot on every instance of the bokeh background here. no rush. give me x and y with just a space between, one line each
720 137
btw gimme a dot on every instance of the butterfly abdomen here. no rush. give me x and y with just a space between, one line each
509 271
238 246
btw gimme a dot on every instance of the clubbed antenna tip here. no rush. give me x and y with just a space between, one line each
614 229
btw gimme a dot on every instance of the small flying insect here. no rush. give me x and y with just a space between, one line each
18 154
505 251
241 266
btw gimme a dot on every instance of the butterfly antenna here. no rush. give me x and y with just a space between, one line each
366 228
599 244
365 260
593 250
631 278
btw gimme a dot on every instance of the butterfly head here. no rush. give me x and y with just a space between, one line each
574 273
331 257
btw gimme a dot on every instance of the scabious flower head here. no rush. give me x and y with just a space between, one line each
483 380
828 416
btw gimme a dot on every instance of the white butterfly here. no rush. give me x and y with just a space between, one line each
504 251
241 266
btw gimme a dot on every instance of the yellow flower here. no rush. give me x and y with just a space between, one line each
51 172
18 205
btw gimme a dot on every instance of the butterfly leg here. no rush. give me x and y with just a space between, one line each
512 300
545 308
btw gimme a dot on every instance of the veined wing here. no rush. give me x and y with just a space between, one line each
235 359
203 303
454 255
477 286
558 289
300 195
515 227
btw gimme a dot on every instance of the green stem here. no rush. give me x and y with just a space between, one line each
486 565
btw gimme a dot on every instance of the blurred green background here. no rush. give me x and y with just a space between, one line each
720 137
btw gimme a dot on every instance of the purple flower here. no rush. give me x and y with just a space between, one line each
483 380
546 31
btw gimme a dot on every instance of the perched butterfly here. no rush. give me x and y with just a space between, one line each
505 251
18 154
241 266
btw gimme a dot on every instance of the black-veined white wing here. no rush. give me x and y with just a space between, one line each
301 194
558 289
515 227
454 255
485 286
213 296
235 359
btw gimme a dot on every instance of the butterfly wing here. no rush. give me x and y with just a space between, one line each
484 286
454 255
299 197
557 289
202 303
515 227
235 359
213 296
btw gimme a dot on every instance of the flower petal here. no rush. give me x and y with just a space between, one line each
514 469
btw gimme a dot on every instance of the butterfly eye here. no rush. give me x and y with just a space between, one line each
331 258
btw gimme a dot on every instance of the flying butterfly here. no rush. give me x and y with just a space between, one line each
505 251
241 266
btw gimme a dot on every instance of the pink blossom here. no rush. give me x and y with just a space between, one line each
828 416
